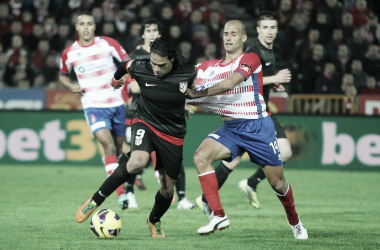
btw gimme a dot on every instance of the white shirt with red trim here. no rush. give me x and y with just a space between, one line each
246 100
94 67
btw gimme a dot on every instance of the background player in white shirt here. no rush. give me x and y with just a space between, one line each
233 88
91 58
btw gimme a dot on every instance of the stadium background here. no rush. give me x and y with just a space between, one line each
41 122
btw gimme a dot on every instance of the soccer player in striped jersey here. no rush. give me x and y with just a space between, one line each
91 58
233 88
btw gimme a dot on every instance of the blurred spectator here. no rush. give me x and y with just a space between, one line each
16 50
132 39
324 28
18 76
73 6
15 8
40 54
371 62
120 23
50 26
199 4
57 42
32 40
348 4
347 25
360 13
334 11
88 5
27 23
214 5
182 11
333 44
200 59
358 46
200 40
41 9
312 68
110 8
211 51
133 9
351 91
23 84
360 76
156 7
190 26
15 29
175 33
296 34
167 19
3 84
284 14
185 48
97 13
308 7
347 80
374 26
24 64
214 27
370 88
108 29
5 19
143 14
39 81
50 69
343 60
329 81
305 49
3 61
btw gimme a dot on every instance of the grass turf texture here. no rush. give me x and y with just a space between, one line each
339 209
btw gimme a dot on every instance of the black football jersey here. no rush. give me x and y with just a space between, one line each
267 61
162 99
139 53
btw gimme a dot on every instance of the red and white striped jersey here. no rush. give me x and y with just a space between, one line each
94 67
246 100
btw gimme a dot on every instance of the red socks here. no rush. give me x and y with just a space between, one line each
110 164
287 201
210 188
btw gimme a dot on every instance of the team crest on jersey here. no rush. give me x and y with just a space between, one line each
138 141
182 86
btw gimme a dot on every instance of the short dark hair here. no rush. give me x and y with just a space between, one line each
166 47
85 13
266 15
150 21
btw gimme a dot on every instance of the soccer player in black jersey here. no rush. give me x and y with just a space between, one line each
159 125
263 47
151 29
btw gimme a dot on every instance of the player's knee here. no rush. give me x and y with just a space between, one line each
135 165
278 185
200 160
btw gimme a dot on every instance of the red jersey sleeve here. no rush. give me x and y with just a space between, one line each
64 68
249 64
119 52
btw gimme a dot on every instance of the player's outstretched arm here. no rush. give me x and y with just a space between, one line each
74 87
283 76
224 86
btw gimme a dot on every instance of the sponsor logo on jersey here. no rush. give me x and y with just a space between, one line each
81 69
245 68
138 141
211 73
267 64
150 84
182 86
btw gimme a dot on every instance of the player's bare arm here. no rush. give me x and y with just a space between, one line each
74 87
134 86
283 76
222 87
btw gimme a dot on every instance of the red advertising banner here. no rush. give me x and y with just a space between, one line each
63 100
369 105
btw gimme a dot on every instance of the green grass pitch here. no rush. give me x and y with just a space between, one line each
340 210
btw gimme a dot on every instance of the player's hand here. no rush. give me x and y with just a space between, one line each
117 84
278 88
190 94
75 88
188 112
283 76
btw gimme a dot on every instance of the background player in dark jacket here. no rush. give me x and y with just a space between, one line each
151 29
159 125
263 47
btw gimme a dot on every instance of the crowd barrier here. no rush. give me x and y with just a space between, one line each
63 138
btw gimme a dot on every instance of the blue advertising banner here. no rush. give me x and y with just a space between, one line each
28 99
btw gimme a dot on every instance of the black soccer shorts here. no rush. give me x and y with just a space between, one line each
279 129
168 155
